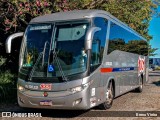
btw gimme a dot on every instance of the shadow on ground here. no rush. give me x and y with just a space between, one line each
157 83
154 73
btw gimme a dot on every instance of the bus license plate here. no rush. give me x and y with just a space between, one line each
46 103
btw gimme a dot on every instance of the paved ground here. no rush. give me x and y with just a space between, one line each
132 106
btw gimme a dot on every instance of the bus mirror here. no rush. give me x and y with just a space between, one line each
89 37
9 41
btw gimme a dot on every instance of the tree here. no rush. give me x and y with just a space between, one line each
152 51
16 14
136 13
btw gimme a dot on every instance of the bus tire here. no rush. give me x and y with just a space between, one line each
109 97
140 88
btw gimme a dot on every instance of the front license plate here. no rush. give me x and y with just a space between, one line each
46 103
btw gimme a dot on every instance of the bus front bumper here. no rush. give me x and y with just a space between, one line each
79 100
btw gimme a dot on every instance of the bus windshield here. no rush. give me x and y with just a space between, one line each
54 50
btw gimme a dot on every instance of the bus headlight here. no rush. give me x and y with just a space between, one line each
76 89
21 88
79 88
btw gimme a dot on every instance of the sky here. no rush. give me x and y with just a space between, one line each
154 31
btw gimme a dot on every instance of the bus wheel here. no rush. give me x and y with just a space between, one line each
109 97
140 88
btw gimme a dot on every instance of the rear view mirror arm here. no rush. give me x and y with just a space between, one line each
9 41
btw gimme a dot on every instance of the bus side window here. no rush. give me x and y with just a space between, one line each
95 56
98 43
123 40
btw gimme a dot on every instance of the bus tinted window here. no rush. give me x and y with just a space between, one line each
123 40
99 40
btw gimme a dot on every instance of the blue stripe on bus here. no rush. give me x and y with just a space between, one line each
122 69
103 70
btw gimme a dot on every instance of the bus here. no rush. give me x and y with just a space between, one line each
78 60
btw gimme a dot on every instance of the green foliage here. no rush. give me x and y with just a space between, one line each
15 14
6 78
134 46
2 61
157 68
7 84
152 51
135 13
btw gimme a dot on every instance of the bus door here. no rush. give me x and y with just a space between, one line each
95 62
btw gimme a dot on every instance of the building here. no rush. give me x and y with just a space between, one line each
154 61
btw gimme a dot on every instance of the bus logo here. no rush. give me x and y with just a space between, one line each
46 86
141 65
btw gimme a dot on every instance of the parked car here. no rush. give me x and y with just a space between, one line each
151 68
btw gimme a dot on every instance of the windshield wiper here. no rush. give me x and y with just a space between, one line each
42 54
55 58
33 69
44 50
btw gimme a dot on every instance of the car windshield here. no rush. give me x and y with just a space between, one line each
54 51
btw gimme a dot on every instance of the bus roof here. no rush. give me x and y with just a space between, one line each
69 15
77 14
